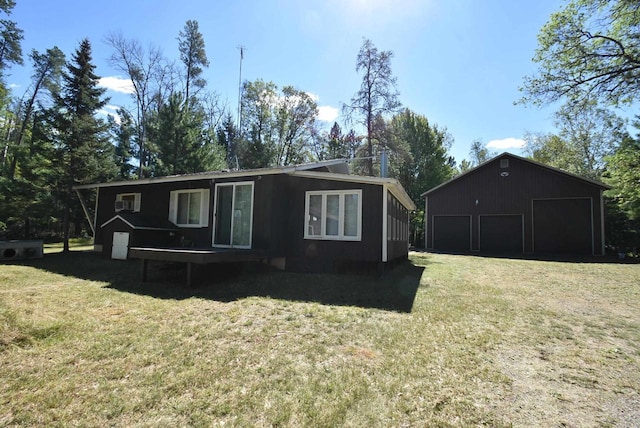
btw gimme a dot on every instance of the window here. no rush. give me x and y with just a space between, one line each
334 214
189 208
504 163
128 202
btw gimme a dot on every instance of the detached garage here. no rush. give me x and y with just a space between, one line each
514 205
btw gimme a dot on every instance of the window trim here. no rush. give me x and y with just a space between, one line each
341 215
203 220
136 201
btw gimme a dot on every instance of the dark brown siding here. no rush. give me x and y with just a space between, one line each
137 238
154 202
268 221
322 255
397 228
492 190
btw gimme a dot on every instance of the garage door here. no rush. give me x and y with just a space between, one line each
501 233
452 233
562 226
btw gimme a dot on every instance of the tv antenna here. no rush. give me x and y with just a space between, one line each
242 49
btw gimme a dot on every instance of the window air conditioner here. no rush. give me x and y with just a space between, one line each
124 205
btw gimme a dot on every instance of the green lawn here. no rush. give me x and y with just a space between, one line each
443 341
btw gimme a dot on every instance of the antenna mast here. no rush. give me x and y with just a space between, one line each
241 48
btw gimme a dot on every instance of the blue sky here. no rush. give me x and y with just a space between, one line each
457 62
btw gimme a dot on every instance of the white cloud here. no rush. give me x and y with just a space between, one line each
314 97
111 110
118 84
327 113
507 143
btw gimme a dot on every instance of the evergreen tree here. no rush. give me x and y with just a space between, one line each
123 133
183 145
227 136
84 152
377 96
194 58
10 38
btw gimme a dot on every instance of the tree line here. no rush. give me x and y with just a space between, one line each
53 137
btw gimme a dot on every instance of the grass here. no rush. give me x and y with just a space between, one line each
443 341
75 244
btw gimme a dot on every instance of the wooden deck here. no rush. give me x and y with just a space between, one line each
193 255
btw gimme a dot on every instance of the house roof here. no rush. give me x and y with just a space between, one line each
330 166
532 162
139 221
336 169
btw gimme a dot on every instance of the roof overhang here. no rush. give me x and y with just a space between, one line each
333 166
391 184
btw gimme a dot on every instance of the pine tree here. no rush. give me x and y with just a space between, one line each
84 151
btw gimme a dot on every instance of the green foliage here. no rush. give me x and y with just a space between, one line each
376 97
589 48
420 161
183 146
623 174
587 135
479 153
427 163
278 126
10 38
123 133
337 145
194 58
46 76
85 154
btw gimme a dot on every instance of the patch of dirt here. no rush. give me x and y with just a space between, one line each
549 390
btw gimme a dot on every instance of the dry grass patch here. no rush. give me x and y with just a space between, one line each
469 341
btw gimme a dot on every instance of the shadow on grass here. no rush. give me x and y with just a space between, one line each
395 290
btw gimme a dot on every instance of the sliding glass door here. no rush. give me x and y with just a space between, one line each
233 215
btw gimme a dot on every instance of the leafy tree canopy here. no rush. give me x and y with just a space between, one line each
589 49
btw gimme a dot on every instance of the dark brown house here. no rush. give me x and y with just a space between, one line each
515 205
312 217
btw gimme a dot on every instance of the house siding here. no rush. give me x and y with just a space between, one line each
488 191
278 222
154 202
397 229
322 255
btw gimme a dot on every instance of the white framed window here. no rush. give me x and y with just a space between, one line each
189 208
128 202
333 214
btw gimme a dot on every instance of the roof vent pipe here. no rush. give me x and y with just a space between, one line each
384 160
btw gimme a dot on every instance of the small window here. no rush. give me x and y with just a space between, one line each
127 202
504 163
189 208
335 215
